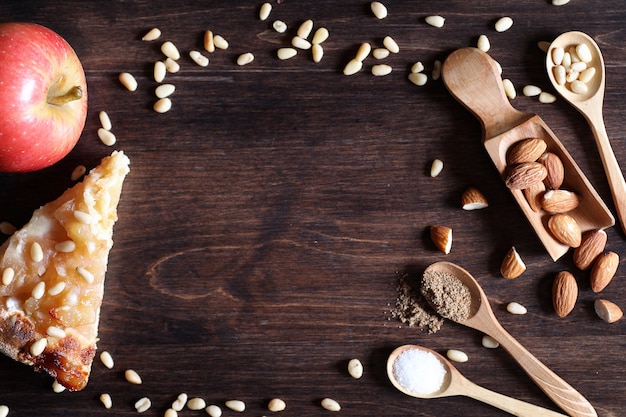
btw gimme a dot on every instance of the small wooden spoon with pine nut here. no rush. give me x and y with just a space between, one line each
481 318
454 383
589 103
473 78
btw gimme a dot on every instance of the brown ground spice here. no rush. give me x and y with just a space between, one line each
411 307
447 294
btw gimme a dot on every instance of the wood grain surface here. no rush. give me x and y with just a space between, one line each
267 215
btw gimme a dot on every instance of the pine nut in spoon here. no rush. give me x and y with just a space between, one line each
444 380
481 318
589 104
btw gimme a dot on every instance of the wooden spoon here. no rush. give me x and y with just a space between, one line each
482 318
472 77
455 383
590 106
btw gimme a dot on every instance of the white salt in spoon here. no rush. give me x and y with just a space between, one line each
481 318
454 383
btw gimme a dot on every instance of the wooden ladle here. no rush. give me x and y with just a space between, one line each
481 318
472 77
589 105
454 383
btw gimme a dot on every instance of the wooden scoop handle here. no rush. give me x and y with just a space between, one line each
473 78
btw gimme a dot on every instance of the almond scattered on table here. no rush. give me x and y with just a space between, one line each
564 293
512 265
607 310
473 199
603 270
592 244
441 237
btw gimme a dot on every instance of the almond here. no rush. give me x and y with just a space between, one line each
564 293
533 195
555 170
442 238
525 174
565 229
527 150
591 245
607 311
512 264
559 201
473 199
603 270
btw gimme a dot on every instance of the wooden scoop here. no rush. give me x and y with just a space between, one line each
472 77
482 318
455 383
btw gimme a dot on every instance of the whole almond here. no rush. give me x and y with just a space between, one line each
533 195
559 201
555 170
591 245
473 199
524 175
441 237
564 293
603 270
565 229
512 265
527 150
607 311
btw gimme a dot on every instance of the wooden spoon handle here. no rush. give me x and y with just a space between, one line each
559 391
508 404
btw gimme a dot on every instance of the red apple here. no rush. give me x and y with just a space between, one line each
43 97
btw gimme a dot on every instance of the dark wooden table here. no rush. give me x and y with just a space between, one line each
267 215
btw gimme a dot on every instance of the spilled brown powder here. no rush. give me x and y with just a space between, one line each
411 307
447 294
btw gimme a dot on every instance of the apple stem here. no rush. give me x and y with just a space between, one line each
75 93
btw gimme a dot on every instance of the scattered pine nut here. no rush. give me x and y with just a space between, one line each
320 36
286 53
171 66
483 43
170 412
355 368
516 308
545 97
152 35
198 58
418 78
209 45
163 105
417 67
7 228
105 120
196 404
436 70
57 387
559 2
245 59
106 401
330 404
170 50
36 252
236 405
457 355
363 52
543 45
531 90
503 24
38 347
180 402
436 168
435 21
300 43
143 404
128 81
276 404
159 72
78 172
304 30
264 11
279 26
380 53
133 377
107 359
379 9
380 70
352 67
214 411
164 90
107 137
391 44
489 342
220 42
4 411
509 88
317 52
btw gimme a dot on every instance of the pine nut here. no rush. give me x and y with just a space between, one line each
7 275
264 11
83 217
220 42
483 43
317 52
107 359
180 402
355 368
559 2
435 21
171 66
198 58
391 44
418 78
286 53
236 405
363 52
245 59
4 411
276 404
143 404
352 67
417 67
436 168
380 53
106 401
36 252
128 81
163 105
578 66
330 404
509 88
436 70
133 377
545 97
560 75
516 308
531 90
380 70
567 60
67 246
57 387
106 137
304 30
164 90
557 55
489 342
379 9
159 71
56 289
170 412
170 50
579 87
7 228
39 290
279 26
457 355
105 120
320 36
38 347
300 43
152 35
214 411
196 404
209 45
587 74
503 24
54 331
584 53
